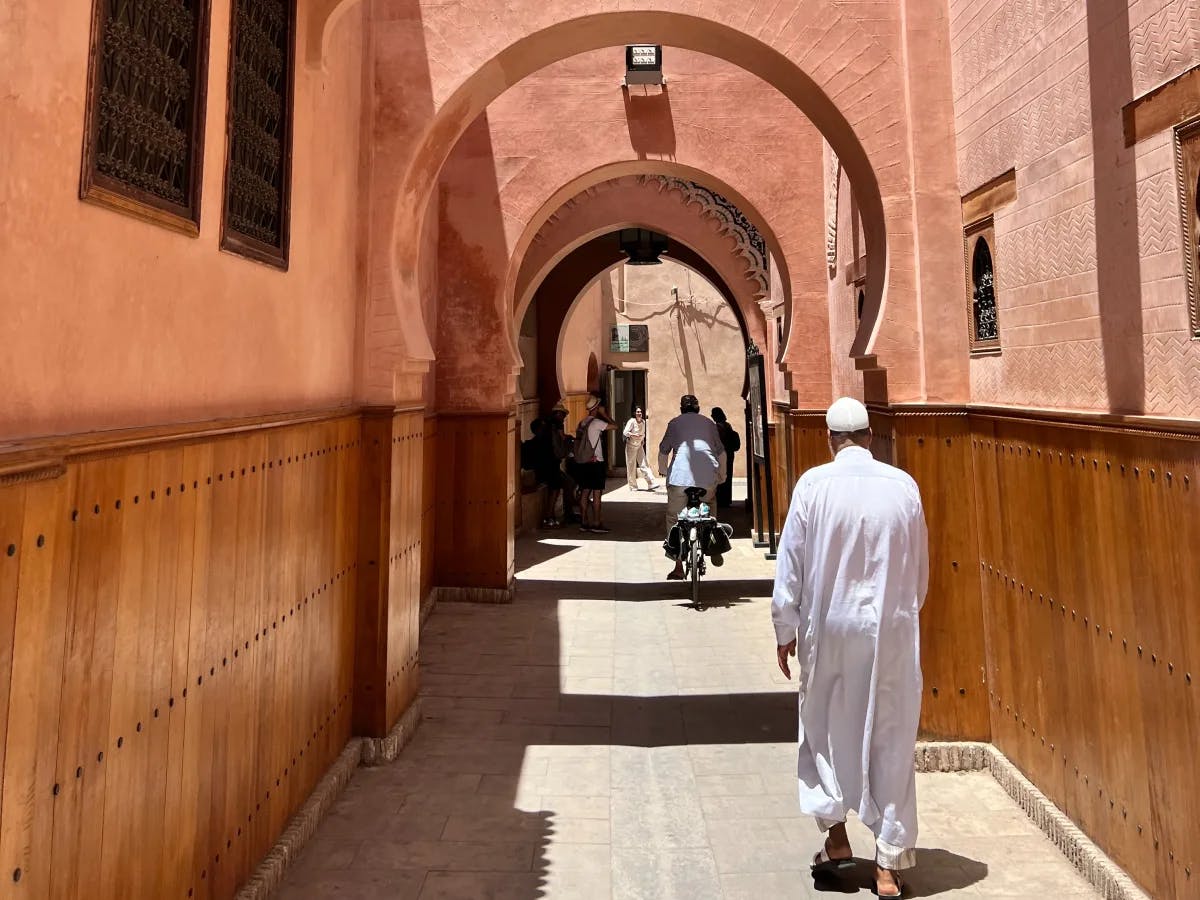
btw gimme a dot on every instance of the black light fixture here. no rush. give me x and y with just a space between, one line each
643 64
642 246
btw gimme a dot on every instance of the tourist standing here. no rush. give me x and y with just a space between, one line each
852 574
635 451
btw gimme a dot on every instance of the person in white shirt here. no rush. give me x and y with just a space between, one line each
692 455
635 451
851 578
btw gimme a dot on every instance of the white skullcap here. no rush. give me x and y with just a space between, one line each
847 415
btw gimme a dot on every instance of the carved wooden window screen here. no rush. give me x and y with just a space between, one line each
258 163
984 325
144 130
1187 162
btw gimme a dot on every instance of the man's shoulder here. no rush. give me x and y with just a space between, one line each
869 465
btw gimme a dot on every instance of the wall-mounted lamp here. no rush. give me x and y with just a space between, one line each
643 64
642 246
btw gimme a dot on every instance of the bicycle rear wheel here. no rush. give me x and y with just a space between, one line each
697 558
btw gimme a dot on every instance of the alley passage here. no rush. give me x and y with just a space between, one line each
600 738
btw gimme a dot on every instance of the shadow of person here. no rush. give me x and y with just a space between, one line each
936 872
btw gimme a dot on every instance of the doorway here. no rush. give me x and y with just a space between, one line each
626 390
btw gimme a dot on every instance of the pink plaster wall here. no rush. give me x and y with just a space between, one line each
858 96
571 121
696 344
637 200
1089 266
842 293
113 322
581 339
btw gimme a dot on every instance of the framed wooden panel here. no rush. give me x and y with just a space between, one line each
143 146
255 220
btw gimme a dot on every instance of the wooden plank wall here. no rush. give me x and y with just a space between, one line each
176 657
1088 538
405 559
475 494
936 450
428 505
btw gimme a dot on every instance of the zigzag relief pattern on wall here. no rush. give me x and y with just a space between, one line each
1058 116
1033 376
1172 375
993 45
1165 44
1062 245
1158 214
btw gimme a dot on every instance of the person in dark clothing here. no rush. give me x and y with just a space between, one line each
732 444
558 450
547 468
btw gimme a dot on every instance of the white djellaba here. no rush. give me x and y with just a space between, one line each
851 578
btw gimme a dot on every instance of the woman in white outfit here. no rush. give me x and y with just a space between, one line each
635 451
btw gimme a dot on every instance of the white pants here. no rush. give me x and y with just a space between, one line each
635 462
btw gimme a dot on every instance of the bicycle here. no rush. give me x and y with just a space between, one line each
696 523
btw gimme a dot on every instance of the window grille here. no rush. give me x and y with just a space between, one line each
144 134
258 165
981 287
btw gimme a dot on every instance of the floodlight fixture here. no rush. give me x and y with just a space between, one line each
643 64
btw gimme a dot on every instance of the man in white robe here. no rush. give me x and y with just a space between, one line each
852 574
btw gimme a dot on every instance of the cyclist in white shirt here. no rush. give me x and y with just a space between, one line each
692 455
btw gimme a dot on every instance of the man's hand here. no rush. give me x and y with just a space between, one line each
788 649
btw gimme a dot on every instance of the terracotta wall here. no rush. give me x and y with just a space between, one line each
696 344
1088 264
178 625
115 322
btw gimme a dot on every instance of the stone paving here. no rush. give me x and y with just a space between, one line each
600 738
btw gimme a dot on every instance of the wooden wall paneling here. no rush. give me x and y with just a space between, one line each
12 516
1168 633
371 636
87 681
935 450
184 542
37 642
119 816
429 466
1083 534
474 485
404 604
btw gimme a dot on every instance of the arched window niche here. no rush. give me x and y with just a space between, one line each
981 288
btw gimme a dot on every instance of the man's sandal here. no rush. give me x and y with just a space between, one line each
824 864
899 888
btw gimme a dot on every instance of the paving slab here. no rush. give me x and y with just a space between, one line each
605 739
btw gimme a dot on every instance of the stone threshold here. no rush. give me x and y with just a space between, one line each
1097 869
303 825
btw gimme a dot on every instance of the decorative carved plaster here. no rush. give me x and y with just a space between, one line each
750 245
833 181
